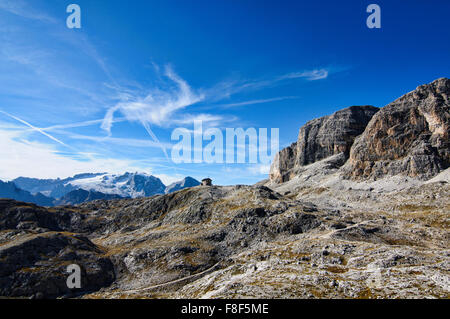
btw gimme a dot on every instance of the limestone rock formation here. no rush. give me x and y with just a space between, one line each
35 264
283 164
321 138
410 136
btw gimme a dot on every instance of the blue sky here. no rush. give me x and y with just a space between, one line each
88 100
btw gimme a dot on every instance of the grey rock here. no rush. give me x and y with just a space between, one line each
35 265
321 138
410 137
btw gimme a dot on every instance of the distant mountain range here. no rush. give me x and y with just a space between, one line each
87 187
184 183
10 190
82 196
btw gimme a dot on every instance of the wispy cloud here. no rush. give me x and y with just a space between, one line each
52 66
25 10
131 142
156 107
227 88
43 74
159 107
79 124
207 120
260 101
20 157
313 75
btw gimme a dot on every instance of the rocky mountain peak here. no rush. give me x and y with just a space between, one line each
408 136
321 138
184 183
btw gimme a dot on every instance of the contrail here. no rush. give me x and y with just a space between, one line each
155 139
35 128
79 124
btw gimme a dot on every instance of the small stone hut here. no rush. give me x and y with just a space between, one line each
207 182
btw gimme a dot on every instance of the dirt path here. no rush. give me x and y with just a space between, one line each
327 235
197 276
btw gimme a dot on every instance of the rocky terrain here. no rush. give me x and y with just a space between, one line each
242 241
323 225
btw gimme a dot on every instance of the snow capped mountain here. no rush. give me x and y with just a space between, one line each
127 185
99 186
55 188
184 183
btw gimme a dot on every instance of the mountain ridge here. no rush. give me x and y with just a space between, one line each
10 190
89 186
80 196
184 183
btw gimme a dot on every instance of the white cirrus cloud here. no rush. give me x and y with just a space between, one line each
157 106
227 88
25 10
312 75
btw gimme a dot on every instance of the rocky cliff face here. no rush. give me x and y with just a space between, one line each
407 137
283 164
321 138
